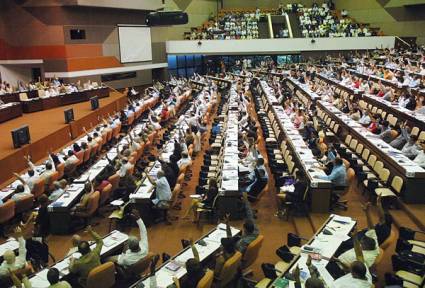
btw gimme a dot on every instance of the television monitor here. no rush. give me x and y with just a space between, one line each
69 115
21 136
94 101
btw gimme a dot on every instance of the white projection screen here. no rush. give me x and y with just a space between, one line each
135 43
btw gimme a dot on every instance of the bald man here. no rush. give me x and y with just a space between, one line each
11 261
75 240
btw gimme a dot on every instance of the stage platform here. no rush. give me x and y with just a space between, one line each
49 132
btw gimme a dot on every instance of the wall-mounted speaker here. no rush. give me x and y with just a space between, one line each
166 18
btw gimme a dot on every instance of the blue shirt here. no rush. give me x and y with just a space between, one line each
337 176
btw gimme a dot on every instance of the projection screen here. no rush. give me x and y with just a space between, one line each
135 43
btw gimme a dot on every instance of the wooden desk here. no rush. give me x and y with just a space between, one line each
10 97
10 111
51 102
32 105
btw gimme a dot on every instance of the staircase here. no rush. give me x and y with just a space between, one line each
263 28
295 25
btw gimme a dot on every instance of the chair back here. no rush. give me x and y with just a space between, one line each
114 180
350 175
397 184
105 194
52 179
252 251
87 154
61 170
138 268
93 203
102 276
23 96
207 280
80 156
25 203
38 188
7 211
230 269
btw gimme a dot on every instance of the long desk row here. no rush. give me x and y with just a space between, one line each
31 102
325 242
412 174
229 169
394 160
144 192
10 111
320 190
416 119
385 82
39 104
175 267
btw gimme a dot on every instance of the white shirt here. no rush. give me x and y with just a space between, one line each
128 257
420 159
183 162
347 281
163 190
71 160
124 168
369 256
20 260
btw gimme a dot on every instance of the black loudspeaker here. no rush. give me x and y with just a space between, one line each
21 136
161 18
69 115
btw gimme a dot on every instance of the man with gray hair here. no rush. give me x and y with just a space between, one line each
137 248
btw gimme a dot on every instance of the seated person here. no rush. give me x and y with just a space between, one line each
137 249
82 205
420 158
184 161
195 271
71 162
163 192
21 190
359 277
250 232
53 278
300 186
59 189
338 174
366 244
411 149
89 258
228 251
11 262
205 200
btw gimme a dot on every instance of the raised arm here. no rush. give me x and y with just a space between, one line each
143 243
194 251
97 239
30 164
52 162
366 209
